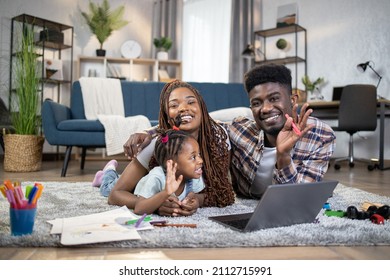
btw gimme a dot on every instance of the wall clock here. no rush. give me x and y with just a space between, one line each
131 49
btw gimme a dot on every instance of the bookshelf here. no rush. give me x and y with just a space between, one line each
127 69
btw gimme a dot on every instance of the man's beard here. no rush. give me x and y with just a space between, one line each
274 131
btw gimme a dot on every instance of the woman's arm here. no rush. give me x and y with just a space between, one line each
122 193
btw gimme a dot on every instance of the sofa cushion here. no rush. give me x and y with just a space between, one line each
222 95
81 125
142 98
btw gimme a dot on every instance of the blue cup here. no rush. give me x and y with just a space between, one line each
22 220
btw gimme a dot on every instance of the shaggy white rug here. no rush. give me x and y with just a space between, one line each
61 200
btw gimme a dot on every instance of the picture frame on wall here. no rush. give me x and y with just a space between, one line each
287 15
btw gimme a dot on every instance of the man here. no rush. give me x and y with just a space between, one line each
278 146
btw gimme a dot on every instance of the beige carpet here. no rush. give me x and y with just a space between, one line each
60 200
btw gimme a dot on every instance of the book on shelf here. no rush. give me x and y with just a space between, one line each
112 71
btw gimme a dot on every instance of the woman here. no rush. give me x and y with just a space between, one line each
180 101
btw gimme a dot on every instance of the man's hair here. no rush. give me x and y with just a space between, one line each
268 73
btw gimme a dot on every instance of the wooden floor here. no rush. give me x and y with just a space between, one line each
359 177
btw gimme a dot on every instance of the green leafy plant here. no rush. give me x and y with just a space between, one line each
163 43
25 106
102 21
281 44
311 86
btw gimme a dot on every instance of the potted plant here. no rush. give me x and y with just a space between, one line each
313 87
162 45
23 149
102 22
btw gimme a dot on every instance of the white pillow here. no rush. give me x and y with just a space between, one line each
227 115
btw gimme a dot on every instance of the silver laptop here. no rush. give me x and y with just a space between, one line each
283 205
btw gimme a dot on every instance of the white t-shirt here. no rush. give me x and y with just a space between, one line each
146 154
154 183
264 173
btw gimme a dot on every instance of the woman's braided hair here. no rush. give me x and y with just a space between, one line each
213 148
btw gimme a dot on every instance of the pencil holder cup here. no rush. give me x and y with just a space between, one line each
22 220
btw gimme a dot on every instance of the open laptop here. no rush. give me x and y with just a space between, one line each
337 91
282 205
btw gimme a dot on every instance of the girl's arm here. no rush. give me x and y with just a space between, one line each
151 204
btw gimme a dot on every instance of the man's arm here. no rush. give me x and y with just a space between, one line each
310 157
138 141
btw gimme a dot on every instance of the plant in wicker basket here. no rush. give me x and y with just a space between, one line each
23 149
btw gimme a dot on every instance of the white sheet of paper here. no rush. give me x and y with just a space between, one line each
95 230
99 227
123 211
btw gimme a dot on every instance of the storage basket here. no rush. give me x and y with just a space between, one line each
23 153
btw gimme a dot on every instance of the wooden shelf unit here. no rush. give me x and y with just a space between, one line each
296 31
153 64
45 48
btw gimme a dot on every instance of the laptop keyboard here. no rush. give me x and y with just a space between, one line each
240 224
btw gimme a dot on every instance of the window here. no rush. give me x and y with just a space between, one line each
206 40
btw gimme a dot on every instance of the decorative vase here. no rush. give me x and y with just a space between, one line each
100 52
23 153
316 95
282 54
161 55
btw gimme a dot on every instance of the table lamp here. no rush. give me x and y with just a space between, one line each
249 51
363 66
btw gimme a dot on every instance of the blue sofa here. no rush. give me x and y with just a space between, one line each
67 126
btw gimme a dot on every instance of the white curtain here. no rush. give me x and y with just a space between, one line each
206 40
245 20
167 21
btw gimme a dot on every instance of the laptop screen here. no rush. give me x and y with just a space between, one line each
337 93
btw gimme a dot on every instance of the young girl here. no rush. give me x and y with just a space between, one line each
179 172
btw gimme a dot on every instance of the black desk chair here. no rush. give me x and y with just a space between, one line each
357 112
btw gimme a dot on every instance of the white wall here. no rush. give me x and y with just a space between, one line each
341 34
